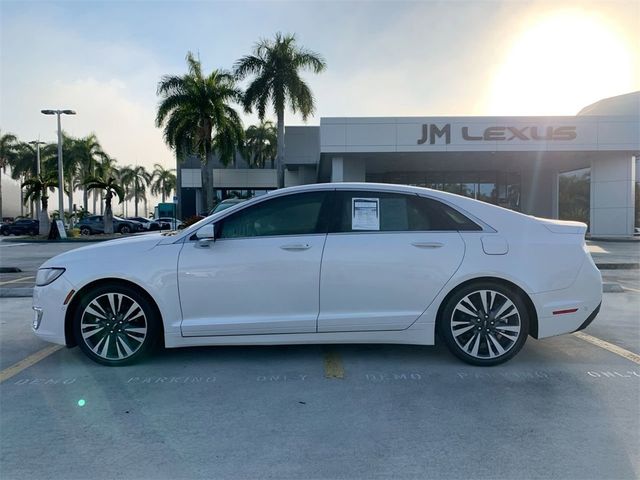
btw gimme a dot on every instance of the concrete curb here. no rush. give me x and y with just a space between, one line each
16 292
618 266
634 239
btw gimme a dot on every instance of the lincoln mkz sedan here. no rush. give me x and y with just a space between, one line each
327 263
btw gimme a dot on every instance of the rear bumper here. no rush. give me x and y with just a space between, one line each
570 309
590 318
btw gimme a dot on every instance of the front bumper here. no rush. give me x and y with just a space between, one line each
50 301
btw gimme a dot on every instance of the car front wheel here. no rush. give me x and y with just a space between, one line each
115 325
484 323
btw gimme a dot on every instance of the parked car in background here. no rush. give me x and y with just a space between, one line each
147 223
22 226
95 224
224 204
168 223
328 263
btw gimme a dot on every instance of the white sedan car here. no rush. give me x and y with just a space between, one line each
327 263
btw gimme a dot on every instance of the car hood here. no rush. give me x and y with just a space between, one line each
133 245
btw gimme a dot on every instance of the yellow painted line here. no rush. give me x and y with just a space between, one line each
15 280
333 365
634 357
31 360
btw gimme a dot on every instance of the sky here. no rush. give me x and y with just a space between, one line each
384 58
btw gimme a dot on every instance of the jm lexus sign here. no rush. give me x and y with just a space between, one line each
430 132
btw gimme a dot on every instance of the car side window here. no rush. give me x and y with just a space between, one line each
297 214
397 212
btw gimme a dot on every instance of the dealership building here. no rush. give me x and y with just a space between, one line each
515 162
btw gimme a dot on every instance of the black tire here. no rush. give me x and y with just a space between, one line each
506 326
124 229
125 344
85 231
5 233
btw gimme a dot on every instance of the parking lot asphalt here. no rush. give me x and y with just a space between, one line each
563 408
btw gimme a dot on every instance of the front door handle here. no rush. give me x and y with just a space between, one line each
296 246
427 244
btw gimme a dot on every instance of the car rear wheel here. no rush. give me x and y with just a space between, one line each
85 231
125 229
485 323
115 325
5 233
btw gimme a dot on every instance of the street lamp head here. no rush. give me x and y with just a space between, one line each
69 112
48 112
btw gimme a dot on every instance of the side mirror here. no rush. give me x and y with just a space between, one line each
206 232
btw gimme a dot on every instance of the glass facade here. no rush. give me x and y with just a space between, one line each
498 188
574 195
224 193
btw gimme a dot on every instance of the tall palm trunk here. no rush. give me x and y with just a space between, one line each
135 198
280 154
108 215
70 197
101 203
85 199
0 195
21 198
204 171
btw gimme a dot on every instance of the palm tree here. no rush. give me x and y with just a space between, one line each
141 181
72 163
37 189
163 181
87 153
23 167
276 65
197 115
110 187
8 143
105 168
261 144
125 176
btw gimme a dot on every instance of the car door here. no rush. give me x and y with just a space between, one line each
386 257
262 273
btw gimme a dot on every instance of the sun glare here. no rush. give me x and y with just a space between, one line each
560 64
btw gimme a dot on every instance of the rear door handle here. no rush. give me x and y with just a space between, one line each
427 244
296 246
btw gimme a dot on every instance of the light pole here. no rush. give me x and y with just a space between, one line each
37 143
60 176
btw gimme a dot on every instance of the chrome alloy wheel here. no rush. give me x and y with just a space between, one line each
113 326
485 324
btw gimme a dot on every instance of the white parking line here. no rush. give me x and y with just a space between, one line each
7 244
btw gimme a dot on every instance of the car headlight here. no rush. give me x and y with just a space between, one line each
47 275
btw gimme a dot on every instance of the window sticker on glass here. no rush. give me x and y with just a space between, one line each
365 214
